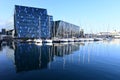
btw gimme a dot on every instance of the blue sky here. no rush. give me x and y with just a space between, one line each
91 15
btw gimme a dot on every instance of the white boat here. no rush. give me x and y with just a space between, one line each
76 40
70 40
29 40
63 40
47 41
91 39
86 39
38 40
98 39
81 39
117 37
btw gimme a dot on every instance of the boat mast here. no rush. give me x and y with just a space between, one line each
39 27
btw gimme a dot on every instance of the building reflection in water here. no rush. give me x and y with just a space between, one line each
27 57
31 56
0 47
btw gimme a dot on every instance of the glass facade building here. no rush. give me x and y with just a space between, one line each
62 29
30 22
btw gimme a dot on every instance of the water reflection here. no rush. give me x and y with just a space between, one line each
26 57
0 47
32 56
114 41
51 61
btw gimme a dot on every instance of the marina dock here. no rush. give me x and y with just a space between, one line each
62 40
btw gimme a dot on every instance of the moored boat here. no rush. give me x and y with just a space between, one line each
38 40
47 41
63 40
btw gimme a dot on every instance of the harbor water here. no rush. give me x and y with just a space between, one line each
60 61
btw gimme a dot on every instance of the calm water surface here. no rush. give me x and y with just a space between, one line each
67 61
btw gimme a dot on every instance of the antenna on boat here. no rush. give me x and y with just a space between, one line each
39 27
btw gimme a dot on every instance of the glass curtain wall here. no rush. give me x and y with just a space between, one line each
31 22
64 29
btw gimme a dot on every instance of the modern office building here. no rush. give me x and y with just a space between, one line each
30 22
62 29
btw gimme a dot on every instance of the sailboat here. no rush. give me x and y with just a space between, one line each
38 40
47 41
63 40
70 40
29 40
